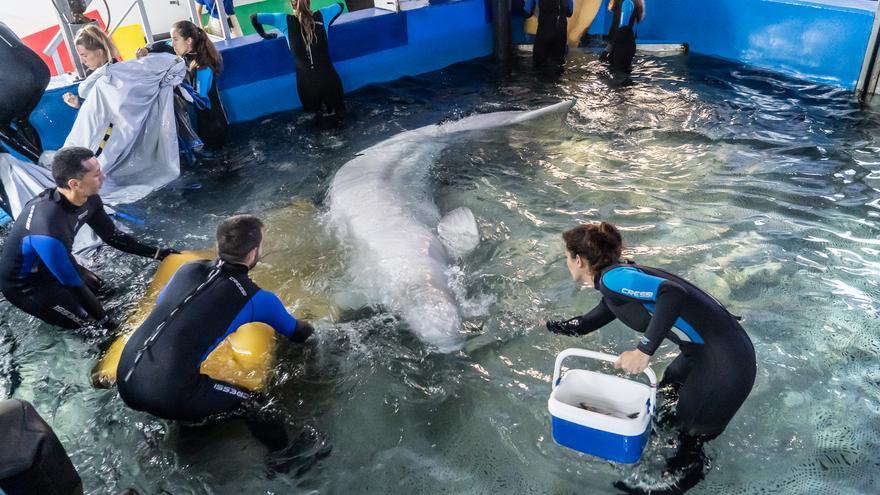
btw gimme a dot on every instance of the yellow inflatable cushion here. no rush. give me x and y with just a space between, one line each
244 358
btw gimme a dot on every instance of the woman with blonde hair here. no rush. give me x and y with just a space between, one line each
317 82
95 50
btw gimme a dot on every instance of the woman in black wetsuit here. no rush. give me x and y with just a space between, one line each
317 82
95 50
551 39
714 373
22 82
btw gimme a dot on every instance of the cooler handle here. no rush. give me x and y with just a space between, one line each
600 356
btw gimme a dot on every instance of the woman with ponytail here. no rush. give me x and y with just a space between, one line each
95 50
317 82
205 63
715 370
621 48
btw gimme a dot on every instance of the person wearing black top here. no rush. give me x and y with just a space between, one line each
714 373
38 273
317 82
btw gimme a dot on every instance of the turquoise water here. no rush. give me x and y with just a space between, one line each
759 188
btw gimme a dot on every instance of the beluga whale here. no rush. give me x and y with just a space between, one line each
401 248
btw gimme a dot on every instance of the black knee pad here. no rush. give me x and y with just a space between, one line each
32 459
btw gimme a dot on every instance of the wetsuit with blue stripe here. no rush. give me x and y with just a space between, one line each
622 36
716 367
551 39
39 275
317 82
166 380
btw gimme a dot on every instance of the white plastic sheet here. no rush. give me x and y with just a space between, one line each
135 96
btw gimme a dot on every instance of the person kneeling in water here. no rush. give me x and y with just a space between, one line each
38 274
716 369
203 303
317 82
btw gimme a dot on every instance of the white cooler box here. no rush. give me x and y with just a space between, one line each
601 415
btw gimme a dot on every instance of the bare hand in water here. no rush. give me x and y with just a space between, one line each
71 99
634 361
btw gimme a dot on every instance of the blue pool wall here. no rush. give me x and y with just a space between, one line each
367 46
819 40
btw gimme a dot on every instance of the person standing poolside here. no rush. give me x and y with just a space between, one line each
38 274
95 50
551 39
621 47
317 82
203 303
214 27
714 373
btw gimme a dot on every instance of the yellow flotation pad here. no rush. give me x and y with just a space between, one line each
296 250
584 13
243 359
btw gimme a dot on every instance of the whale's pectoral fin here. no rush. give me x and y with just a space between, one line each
458 231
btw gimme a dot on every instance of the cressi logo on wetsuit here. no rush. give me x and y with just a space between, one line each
166 380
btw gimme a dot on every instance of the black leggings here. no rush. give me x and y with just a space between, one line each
714 383
320 91
54 303
209 400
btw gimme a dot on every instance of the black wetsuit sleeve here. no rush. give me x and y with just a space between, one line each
161 47
597 318
304 330
667 308
258 27
101 223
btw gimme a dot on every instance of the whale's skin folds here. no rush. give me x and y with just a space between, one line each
382 208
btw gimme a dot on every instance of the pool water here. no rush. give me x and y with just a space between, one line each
761 189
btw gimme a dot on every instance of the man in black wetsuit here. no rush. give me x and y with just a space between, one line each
203 303
38 274
715 371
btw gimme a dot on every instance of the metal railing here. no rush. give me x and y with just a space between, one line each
67 34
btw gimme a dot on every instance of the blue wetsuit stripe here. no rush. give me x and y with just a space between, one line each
28 257
332 13
626 11
204 80
277 20
682 325
570 8
529 7
56 258
263 307
630 282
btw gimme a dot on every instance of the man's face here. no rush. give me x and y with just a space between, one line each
92 180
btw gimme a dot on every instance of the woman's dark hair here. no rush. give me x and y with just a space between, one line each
68 164
601 245
237 236
203 49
